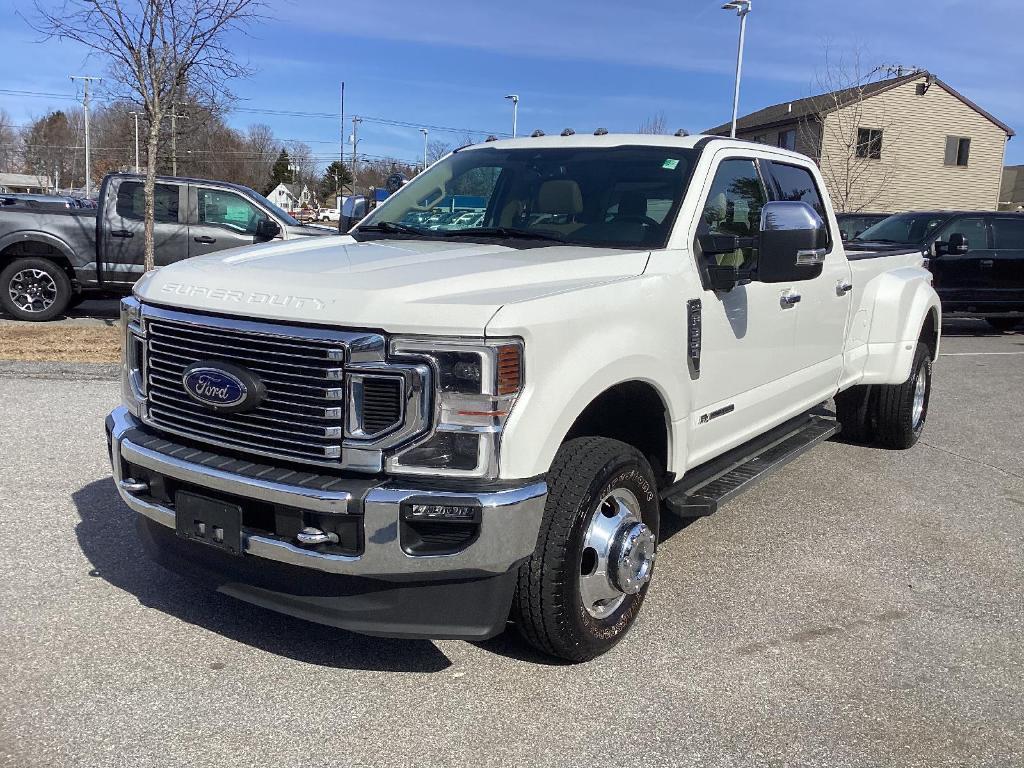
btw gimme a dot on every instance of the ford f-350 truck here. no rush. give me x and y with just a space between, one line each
52 258
432 433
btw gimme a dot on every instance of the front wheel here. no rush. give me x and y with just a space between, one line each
581 590
34 289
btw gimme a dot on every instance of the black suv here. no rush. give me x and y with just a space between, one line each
977 258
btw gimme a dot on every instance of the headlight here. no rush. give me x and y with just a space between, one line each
133 355
476 385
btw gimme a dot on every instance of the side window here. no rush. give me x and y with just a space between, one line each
971 227
228 209
1008 234
131 202
733 207
796 183
958 150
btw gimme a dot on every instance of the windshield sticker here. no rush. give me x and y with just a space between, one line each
670 164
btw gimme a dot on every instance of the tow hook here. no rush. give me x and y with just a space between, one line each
310 536
133 486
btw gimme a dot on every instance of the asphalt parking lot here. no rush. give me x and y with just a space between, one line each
859 608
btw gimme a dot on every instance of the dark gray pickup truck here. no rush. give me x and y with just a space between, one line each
51 258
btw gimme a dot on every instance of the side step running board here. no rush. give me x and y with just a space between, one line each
703 489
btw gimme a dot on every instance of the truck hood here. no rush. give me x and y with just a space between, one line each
399 286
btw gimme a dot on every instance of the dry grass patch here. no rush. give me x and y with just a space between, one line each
60 344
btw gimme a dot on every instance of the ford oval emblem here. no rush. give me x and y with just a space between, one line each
222 386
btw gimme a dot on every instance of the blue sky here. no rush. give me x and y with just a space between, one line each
574 63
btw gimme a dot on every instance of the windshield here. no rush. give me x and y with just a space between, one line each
908 228
275 210
619 197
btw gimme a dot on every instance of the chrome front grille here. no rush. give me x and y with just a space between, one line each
302 416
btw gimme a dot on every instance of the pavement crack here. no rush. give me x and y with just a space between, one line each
972 460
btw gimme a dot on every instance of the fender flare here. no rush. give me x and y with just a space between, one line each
901 302
36 236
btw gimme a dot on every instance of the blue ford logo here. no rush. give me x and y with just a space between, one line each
222 386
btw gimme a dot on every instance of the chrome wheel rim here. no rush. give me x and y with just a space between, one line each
32 290
920 389
618 554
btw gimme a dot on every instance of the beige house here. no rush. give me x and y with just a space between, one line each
901 144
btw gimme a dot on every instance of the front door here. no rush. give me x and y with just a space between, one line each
748 332
124 229
962 278
221 219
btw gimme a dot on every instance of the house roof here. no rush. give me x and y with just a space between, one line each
789 111
1012 189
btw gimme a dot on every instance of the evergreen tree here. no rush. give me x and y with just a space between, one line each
280 173
336 177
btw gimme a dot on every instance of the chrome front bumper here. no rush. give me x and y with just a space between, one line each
510 518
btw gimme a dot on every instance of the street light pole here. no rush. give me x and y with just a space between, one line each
742 8
85 105
514 98
425 132
138 168
356 120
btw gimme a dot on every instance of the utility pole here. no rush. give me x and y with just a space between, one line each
138 168
341 127
86 80
424 131
174 137
355 148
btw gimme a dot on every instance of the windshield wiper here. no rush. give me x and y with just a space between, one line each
394 226
506 232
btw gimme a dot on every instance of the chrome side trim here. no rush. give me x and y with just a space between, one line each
510 518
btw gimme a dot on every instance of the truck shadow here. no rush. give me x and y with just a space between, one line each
106 535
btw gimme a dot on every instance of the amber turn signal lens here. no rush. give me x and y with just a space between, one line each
510 369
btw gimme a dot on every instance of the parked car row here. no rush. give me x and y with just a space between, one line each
976 257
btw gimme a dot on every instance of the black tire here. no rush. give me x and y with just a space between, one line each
57 292
893 414
548 608
853 412
1003 323
75 300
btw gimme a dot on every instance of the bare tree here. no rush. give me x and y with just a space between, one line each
8 143
656 124
261 150
156 50
853 137
436 150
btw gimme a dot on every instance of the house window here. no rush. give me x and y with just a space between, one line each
869 143
787 139
760 139
958 149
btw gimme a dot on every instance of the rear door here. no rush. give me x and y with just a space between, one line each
220 219
822 306
1007 268
124 228
963 278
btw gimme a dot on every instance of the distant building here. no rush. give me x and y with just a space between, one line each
906 143
292 197
25 182
1011 194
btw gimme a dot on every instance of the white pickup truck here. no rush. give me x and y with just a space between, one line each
431 433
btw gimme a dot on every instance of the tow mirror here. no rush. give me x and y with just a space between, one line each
793 242
267 229
957 243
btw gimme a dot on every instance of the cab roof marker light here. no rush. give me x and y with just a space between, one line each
601 132
536 134
568 132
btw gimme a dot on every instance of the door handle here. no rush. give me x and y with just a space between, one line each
121 233
789 299
843 287
205 240
987 263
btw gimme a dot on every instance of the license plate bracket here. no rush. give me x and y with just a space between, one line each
209 521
